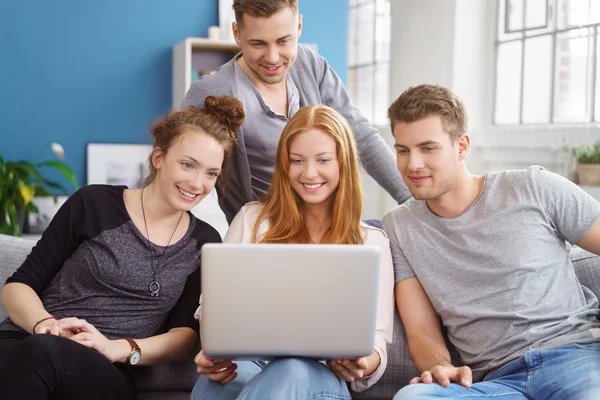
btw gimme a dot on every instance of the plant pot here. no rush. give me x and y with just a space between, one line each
589 174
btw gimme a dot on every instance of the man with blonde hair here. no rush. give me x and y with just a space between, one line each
489 257
273 77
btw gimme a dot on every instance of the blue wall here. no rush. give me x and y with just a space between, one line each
74 71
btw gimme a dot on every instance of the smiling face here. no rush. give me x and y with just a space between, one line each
269 44
314 170
188 171
429 161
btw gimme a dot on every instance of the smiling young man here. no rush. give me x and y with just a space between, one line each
273 77
488 256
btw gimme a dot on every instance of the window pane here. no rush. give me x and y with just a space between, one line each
365 33
572 76
537 80
508 83
594 12
573 13
382 93
515 15
364 91
597 102
352 38
382 38
535 14
502 34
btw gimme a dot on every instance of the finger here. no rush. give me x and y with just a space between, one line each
442 376
427 377
361 363
355 371
333 366
343 372
66 333
229 378
81 337
416 379
465 376
55 330
219 366
201 359
215 368
222 375
80 324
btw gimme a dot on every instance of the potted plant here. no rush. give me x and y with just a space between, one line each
588 164
20 181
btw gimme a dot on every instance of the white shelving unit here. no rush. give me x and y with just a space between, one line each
198 54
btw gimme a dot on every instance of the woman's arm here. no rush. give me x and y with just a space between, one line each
24 306
21 294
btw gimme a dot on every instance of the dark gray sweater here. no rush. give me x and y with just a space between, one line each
93 263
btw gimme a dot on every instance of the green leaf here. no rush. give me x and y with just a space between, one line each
63 168
56 185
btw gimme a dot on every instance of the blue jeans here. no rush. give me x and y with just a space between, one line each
284 378
563 373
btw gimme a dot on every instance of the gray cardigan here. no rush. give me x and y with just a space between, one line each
314 82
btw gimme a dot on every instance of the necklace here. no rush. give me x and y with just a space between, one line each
154 286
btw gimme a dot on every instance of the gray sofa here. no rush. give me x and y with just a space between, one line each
175 381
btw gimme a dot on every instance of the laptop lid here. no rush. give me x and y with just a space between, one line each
271 300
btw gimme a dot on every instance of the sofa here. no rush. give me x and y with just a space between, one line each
175 381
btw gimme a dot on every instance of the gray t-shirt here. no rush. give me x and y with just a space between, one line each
499 275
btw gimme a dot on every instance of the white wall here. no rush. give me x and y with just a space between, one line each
451 43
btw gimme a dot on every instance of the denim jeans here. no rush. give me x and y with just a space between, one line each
563 373
284 378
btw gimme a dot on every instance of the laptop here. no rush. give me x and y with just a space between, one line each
261 301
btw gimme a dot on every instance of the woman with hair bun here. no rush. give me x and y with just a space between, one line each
114 281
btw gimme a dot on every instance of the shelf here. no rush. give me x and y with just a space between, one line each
196 54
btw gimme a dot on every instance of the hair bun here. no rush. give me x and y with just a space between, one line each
228 110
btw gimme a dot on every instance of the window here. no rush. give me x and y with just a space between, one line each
547 62
369 58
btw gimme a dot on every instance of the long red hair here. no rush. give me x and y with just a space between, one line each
283 207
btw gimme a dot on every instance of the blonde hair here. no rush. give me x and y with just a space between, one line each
423 101
283 207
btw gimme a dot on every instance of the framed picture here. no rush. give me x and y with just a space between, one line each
117 164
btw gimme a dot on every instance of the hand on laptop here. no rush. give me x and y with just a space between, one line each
349 370
222 371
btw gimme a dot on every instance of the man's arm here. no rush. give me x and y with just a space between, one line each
425 340
376 156
591 240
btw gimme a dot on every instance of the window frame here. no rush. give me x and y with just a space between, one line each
551 29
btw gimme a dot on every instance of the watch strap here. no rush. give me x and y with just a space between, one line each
134 348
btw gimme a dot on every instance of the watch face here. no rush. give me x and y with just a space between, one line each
135 358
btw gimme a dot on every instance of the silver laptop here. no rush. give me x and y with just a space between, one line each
261 301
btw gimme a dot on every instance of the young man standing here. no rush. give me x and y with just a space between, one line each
488 256
273 77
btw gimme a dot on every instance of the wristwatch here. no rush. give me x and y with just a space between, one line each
136 353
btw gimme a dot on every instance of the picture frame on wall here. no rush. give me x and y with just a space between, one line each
117 163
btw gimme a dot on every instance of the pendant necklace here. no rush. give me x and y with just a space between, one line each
154 286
